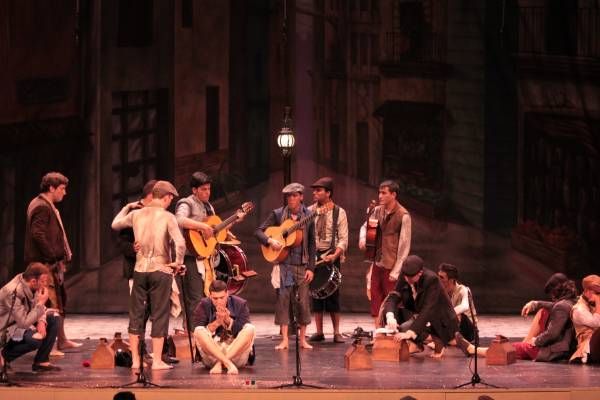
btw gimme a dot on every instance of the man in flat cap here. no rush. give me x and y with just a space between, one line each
297 269
586 320
421 310
154 227
393 243
551 336
331 235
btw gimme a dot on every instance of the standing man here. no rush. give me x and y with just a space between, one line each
30 325
154 228
331 235
223 331
393 243
46 242
297 269
191 212
459 297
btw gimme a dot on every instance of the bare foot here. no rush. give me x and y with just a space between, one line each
282 345
304 345
231 368
69 344
439 354
159 364
217 368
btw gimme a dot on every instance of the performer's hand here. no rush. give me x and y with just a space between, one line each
275 245
390 321
369 294
41 330
362 245
133 206
392 278
42 295
240 215
206 230
527 308
400 336
137 246
231 236
61 266
308 276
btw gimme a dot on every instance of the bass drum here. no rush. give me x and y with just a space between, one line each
232 263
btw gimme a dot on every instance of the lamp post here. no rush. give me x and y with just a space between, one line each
286 142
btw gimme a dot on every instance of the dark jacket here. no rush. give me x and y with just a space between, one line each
558 340
309 246
125 243
205 313
431 305
44 241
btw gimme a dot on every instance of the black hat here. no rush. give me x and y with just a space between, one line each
412 265
325 182
554 281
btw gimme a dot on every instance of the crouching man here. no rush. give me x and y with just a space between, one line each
223 332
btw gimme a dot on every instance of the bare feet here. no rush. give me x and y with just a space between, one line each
69 344
231 368
304 345
217 368
282 345
438 354
160 364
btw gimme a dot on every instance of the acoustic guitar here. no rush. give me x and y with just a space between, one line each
372 232
202 247
288 234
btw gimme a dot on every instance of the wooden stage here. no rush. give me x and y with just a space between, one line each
420 378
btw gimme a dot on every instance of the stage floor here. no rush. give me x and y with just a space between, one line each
322 366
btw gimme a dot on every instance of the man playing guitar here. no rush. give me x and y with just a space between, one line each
393 243
331 236
191 212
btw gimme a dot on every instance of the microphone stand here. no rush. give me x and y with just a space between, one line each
475 378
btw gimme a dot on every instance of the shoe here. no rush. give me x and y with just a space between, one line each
316 337
69 344
169 360
337 338
45 368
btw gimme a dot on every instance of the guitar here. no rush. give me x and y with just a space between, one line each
372 232
202 247
288 234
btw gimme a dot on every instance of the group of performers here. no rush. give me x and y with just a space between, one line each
167 254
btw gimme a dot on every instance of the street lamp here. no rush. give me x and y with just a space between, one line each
286 142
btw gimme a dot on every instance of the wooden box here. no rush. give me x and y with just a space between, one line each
501 352
104 356
357 357
385 348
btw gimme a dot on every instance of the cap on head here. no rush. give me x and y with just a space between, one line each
162 188
412 265
325 182
293 187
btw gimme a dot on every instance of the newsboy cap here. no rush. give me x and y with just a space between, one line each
591 282
412 265
165 187
293 187
325 182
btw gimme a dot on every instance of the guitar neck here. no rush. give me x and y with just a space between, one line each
299 224
219 227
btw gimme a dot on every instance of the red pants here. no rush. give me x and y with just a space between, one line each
380 287
526 351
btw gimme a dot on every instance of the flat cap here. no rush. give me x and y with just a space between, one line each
591 282
293 187
165 187
412 265
555 280
325 182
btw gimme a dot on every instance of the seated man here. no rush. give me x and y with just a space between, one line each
223 331
551 336
423 309
30 325
459 297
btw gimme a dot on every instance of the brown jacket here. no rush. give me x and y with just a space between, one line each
44 240
390 226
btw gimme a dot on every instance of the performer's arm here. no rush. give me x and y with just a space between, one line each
182 213
177 238
342 235
583 316
403 247
259 233
40 219
362 237
432 292
124 219
463 306
23 316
